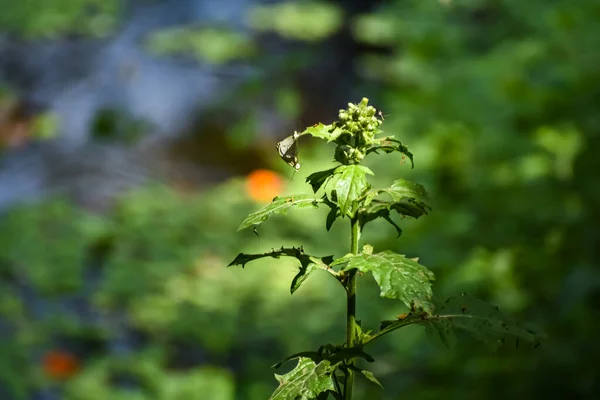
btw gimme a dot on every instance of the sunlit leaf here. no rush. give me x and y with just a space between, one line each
402 188
305 382
348 182
398 277
279 205
322 131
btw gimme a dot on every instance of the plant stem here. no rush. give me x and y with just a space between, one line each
351 306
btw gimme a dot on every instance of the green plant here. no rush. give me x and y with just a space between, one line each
330 370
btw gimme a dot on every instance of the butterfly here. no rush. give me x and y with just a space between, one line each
288 150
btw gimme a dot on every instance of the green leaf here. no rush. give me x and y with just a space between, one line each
405 194
373 213
402 188
406 198
305 382
398 277
308 263
361 337
389 145
317 179
322 131
349 182
482 320
315 356
369 375
332 216
279 205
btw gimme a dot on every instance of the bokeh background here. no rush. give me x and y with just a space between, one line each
136 135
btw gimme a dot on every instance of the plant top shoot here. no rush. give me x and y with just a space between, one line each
328 372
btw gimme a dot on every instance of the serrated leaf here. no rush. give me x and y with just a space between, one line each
403 188
398 277
322 131
482 320
349 182
389 145
305 382
406 198
279 205
308 263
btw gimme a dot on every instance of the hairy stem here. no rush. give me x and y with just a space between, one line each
351 306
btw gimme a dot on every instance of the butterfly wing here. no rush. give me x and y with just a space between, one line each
288 151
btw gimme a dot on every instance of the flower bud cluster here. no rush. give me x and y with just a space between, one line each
359 124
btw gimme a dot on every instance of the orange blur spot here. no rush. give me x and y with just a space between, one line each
262 185
60 365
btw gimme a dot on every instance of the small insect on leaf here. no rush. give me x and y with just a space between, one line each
403 316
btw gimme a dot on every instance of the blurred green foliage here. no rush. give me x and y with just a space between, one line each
497 100
42 19
210 44
306 20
